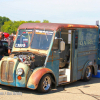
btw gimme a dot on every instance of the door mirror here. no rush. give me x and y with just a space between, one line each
62 45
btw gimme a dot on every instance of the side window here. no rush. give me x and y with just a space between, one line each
76 39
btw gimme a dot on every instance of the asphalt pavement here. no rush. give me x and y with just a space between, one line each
75 91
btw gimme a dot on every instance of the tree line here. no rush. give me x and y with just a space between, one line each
9 26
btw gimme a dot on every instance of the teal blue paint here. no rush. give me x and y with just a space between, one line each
14 76
99 50
87 42
10 83
74 60
54 65
5 83
86 51
99 54
20 84
50 47
31 86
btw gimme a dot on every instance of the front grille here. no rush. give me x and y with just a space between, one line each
10 71
3 70
7 71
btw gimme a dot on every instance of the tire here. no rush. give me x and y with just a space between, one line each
88 74
45 84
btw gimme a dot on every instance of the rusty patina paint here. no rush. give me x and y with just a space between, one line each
81 69
36 76
24 76
10 82
53 26
43 52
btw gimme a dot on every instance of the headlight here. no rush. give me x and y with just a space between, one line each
20 71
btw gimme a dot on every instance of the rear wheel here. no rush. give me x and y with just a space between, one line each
45 83
88 73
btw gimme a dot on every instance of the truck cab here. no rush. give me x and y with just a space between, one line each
45 55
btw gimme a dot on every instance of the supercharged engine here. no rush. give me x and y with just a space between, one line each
31 60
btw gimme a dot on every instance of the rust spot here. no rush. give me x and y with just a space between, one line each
80 69
37 75
50 56
52 60
70 25
82 26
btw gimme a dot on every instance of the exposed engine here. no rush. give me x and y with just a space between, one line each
26 59
31 60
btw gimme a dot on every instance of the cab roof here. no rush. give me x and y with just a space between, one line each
53 26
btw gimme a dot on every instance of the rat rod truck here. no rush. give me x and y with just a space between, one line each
45 55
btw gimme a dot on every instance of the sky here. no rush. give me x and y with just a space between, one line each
55 11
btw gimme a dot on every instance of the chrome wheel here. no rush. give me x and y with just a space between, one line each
46 83
88 72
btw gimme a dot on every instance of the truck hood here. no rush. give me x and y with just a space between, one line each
34 51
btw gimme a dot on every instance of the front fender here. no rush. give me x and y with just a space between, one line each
36 77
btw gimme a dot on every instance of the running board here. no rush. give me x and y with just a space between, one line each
64 75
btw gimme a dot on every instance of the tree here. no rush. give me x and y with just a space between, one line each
45 21
2 20
37 21
11 27
30 21
7 27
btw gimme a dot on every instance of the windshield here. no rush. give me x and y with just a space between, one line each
41 39
23 38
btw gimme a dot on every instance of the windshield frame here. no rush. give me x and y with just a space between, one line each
50 40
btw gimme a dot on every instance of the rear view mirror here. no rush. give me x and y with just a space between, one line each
62 45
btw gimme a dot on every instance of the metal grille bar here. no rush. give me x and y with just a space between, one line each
3 71
7 71
10 71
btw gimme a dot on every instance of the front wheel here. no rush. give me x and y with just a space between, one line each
88 73
45 83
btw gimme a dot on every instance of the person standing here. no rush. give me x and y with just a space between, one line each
2 48
10 43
